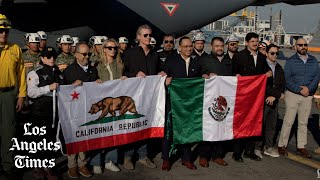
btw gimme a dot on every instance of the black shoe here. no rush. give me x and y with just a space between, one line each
237 158
252 156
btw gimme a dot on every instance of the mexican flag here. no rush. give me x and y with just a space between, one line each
217 109
113 113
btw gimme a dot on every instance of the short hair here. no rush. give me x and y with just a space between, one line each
271 46
79 44
182 38
168 35
251 35
218 39
144 26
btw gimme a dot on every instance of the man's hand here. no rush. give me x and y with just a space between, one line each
123 77
99 81
238 75
168 80
282 96
19 105
206 76
304 91
269 74
53 86
270 100
162 73
140 74
212 74
77 83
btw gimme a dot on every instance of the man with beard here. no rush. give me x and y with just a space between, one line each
302 77
198 45
214 64
233 46
168 49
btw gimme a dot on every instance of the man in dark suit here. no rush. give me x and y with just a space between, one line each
250 62
180 65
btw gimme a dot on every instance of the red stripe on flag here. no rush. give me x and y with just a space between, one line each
116 140
248 110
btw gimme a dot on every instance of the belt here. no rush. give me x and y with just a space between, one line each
6 89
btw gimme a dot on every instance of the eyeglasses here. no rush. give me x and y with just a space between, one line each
187 46
4 30
300 45
166 42
233 44
111 48
274 53
85 54
147 35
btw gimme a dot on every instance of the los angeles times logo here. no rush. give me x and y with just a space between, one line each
33 148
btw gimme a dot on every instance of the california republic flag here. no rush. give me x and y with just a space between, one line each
113 113
217 109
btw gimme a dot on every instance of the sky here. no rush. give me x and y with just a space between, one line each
302 18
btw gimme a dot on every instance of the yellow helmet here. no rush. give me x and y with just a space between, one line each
4 22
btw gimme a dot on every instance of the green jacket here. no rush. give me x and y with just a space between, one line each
31 61
103 72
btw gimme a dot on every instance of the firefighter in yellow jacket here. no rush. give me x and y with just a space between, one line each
12 74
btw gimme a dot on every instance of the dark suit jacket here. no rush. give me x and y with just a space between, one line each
211 64
243 64
175 67
135 60
75 72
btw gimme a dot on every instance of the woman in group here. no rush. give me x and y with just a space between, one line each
41 83
110 67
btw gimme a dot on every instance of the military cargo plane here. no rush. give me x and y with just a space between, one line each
116 18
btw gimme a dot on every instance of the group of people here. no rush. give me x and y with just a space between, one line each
36 73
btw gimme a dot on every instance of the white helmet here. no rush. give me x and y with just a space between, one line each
199 37
105 37
232 38
123 40
75 41
153 41
43 35
66 39
32 38
97 40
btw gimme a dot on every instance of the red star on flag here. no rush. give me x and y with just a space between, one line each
75 95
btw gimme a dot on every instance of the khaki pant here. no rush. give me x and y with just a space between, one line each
7 127
295 104
75 160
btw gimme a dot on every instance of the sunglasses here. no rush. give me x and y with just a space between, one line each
300 45
111 48
4 30
274 53
166 42
85 54
234 44
147 35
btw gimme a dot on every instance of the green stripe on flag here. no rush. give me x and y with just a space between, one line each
187 123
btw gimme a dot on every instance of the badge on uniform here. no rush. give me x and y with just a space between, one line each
163 59
60 76
45 77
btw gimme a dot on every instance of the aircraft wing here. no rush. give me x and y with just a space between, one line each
116 18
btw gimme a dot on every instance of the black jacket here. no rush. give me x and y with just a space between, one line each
75 72
243 64
278 83
135 60
211 64
175 67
